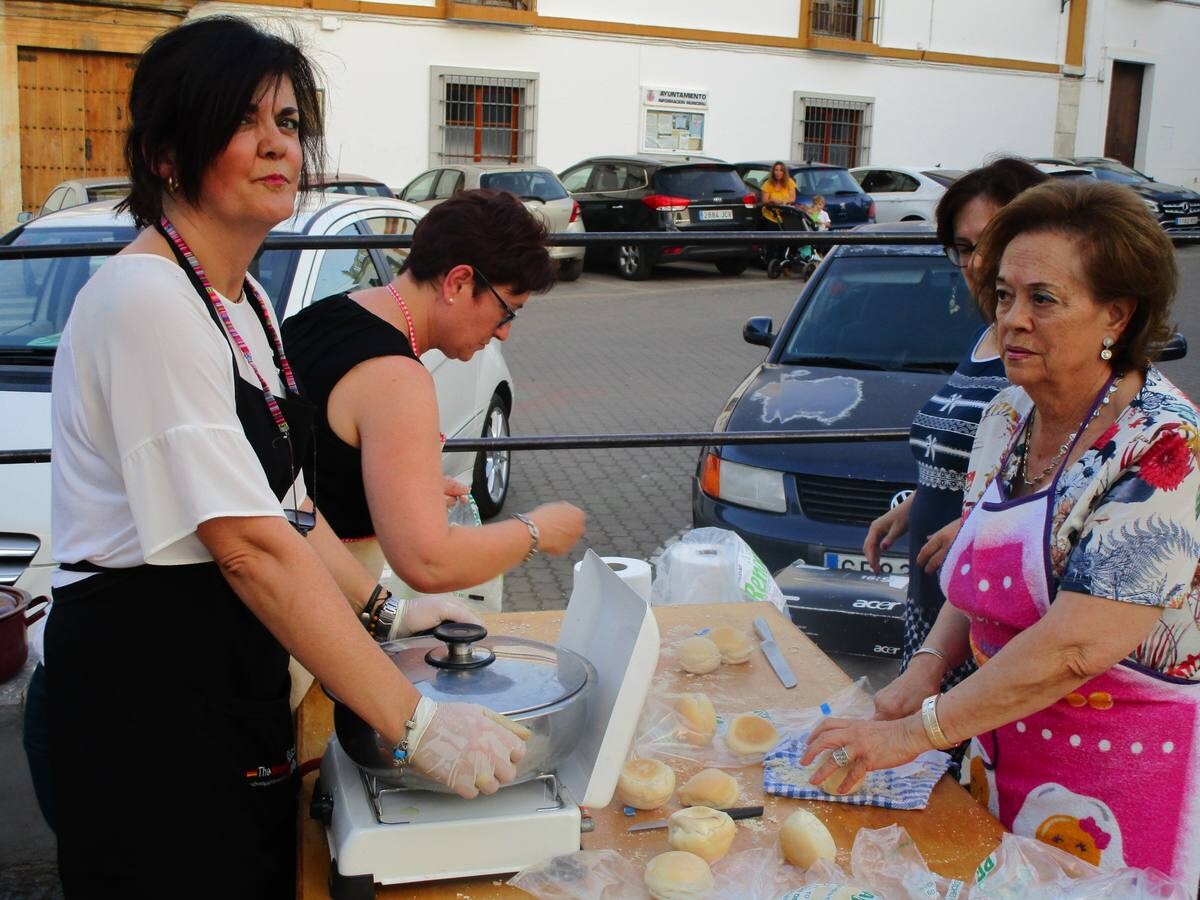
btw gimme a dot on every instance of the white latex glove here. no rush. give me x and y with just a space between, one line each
465 747
423 613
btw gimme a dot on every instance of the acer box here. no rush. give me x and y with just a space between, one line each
844 611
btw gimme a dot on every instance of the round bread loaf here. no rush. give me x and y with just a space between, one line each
734 644
678 875
698 655
645 783
749 734
701 830
805 839
699 719
833 783
710 787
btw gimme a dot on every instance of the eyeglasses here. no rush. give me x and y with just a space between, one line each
959 254
509 312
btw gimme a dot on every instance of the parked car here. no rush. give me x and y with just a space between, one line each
538 188
905 193
346 183
1061 170
474 398
77 191
1172 205
648 193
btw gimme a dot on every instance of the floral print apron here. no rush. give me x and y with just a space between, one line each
1110 772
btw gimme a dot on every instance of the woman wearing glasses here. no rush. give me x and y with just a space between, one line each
475 260
942 433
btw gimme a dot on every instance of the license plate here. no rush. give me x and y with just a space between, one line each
712 215
854 562
1188 220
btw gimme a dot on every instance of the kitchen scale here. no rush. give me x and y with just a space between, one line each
379 834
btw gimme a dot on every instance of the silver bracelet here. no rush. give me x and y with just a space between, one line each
533 534
932 651
933 728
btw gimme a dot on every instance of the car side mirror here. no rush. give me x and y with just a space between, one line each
758 331
1175 348
24 216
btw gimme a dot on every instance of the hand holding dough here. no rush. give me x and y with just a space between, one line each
701 830
698 655
734 644
678 875
805 839
645 783
833 784
749 734
709 787
699 719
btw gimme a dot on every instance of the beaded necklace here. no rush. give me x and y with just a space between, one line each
412 334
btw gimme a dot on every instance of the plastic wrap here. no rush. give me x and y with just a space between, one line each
586 875
712 565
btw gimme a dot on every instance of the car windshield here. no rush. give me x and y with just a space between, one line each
825 182
699 181
542 186
1119 174
944 177
896 313
108 192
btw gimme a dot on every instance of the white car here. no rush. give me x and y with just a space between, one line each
77 191
905 193
474 398
538 188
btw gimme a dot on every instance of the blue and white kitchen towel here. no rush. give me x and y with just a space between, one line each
904 787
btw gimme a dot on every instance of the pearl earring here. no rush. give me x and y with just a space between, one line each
1106 353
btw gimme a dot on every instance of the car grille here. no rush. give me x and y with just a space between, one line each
16 553
847 500
1182 208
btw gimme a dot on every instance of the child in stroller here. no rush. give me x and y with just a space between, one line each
781 259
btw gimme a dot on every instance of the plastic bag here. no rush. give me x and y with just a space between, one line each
486 597
712 565
586 875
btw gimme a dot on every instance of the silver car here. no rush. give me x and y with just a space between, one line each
538 188
77 191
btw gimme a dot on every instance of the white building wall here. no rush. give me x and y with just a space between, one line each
1163 35
780 18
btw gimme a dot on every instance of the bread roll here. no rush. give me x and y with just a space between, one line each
733 643
678 875
833 784
698 655
710 787
749 734
805 839
699 719
645 783
701 830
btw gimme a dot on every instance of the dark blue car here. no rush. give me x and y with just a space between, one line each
875 334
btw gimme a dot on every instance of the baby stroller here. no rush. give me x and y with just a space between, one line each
780 259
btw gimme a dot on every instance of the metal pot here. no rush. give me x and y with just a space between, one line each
15 617
543 687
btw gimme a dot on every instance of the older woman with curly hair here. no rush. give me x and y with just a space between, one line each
1073 579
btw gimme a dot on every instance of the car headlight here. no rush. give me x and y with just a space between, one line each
1152 205
743 485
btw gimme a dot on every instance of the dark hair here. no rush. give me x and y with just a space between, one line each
1123 251
491 231
191 88
1000 181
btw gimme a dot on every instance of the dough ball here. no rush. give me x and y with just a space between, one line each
699 719
701 830
831 892
678 875
733 643
710 787
645 783
805 839
832 784
698 655
749 734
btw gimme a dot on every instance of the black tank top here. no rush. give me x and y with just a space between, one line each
323 343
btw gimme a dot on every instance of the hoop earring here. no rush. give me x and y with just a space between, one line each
172 184
1106 354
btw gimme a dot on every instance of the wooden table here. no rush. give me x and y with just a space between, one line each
954 833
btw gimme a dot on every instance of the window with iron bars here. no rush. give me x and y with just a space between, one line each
482 116
853 20
503 4
832 129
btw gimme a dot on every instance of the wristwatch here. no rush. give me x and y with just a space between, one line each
384 617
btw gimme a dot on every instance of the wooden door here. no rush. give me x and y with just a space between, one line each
1124 108
73 117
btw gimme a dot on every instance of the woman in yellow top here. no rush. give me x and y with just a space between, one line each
778 190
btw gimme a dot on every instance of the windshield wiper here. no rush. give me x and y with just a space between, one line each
833 362
928 367
24 356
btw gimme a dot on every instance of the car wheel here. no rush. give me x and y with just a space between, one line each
570 269
632 262
732 266
489 484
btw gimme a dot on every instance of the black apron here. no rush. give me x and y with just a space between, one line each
171 737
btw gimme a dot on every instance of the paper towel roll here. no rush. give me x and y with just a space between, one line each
634 572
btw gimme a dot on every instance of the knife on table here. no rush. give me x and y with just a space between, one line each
773 654
738 812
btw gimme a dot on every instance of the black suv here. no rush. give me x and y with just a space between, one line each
846 202
647 193
1172 205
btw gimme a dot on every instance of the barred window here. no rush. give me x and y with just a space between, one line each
482 116
852 20
503 4
832 129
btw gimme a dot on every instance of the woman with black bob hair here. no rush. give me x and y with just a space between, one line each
191 561
475 261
